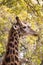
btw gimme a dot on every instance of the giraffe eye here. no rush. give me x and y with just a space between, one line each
15 27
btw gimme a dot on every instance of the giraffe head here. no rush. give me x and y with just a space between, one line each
23 28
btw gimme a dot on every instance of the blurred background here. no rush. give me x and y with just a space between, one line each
31 11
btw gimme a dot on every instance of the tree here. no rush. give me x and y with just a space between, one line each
30 11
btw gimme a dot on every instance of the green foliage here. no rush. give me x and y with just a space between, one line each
29 11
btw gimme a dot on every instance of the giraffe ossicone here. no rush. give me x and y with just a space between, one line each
17 30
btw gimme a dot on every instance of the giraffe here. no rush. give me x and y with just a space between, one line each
17 30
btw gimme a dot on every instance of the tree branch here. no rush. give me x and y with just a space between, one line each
25 60
38 2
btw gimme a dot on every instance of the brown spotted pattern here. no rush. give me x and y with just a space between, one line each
17 30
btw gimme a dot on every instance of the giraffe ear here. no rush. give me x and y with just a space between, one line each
18 21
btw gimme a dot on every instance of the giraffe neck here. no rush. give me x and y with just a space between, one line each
11 56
